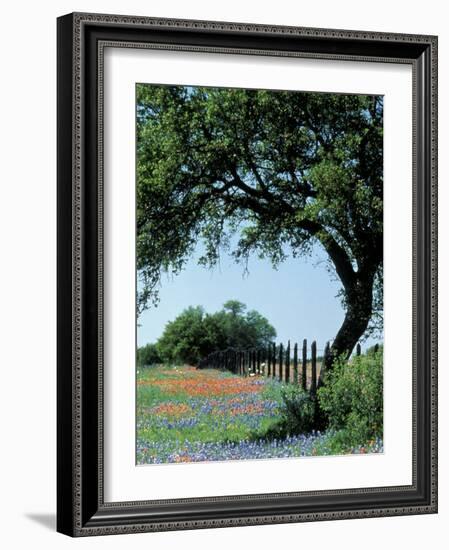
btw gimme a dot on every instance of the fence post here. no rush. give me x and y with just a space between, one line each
287 363
313 383
269 360
327 351
295 363
281 357
358 350
304 365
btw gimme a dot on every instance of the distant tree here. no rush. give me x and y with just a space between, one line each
241 329
194 333
184 340
234 307
148 355
280 171
259 328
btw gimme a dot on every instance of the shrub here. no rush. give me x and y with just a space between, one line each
296 413
148 355
298 410
352 398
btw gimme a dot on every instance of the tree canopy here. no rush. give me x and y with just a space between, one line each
148 355
275 172
194 333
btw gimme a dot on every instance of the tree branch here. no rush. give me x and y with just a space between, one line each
274 207
337 254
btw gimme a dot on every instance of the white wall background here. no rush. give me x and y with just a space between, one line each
28 281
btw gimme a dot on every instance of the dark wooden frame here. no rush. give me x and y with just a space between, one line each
81 509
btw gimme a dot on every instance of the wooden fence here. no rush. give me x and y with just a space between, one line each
290 364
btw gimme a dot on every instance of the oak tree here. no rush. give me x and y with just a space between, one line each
272 173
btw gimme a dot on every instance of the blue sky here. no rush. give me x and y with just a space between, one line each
299 298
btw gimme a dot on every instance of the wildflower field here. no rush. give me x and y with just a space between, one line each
190 415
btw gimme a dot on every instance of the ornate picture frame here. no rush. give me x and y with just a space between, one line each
81 507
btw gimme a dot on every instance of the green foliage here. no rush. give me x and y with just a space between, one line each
296 411
343 442
195 333
184 340
352 399
279 171
148 355
372 350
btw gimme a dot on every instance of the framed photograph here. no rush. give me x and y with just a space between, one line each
247 276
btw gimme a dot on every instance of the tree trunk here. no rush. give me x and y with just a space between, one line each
359 300
358 314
